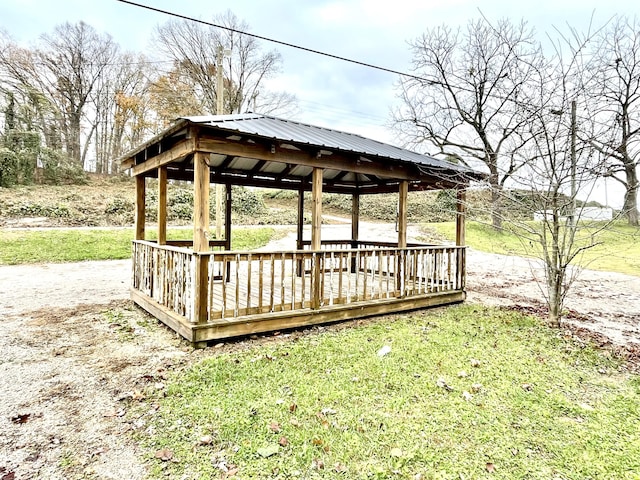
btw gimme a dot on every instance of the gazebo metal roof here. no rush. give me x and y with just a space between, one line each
262 150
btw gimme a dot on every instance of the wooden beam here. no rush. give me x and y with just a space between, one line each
200 203
316 240
402 214
316 208
300 228
460 216
335 161
301 318
201 237
162 205
355 217
140 207
179 150
227 216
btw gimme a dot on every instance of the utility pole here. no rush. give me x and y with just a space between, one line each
573 163
219 111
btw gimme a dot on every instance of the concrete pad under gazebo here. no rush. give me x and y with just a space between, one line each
205 291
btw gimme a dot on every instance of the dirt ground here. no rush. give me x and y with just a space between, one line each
75 354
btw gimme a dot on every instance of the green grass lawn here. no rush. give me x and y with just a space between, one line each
74 245
619 250
465 392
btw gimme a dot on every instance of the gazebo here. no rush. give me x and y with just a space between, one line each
205 291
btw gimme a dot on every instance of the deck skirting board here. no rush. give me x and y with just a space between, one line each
259 323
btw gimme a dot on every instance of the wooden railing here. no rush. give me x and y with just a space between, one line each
166 274
266 282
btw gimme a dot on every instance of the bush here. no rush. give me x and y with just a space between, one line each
247 202
58 169
29 209
119 206
8 167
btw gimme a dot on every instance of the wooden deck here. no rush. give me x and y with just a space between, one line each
249 292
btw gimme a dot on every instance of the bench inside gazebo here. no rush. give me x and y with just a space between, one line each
205 291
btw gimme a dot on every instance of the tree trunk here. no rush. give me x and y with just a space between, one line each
554 284
631 196
496 200
74 149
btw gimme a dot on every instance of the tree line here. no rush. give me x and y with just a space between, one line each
77 98
493 94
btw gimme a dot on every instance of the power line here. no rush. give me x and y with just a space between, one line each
279 42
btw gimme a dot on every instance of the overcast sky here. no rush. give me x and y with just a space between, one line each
331 93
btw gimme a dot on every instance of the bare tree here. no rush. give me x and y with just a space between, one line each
560 165
69 65
615 87
195 49
119 104
466 101
64 70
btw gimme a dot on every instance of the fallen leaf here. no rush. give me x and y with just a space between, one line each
384 351
317 441
137 395
467 396
442 383
527 387
8 476
396 452
418 476
339 468
284 441
293 407
274 427
232 472
164 454
21 418
205 440
475 362
328 411
294 422
268 450
490 467
461 374
476 387
317 464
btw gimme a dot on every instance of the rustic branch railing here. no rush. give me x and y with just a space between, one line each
266 282
166 274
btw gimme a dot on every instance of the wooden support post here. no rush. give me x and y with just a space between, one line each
461 200
460 216
227 224
201 236
316 209
162 205
355 226
200 203
219 195
402 214
316 241
227 217
140 207
300 231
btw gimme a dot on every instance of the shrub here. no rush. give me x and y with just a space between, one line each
246 201
58 169
28 209
119 206
8 167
